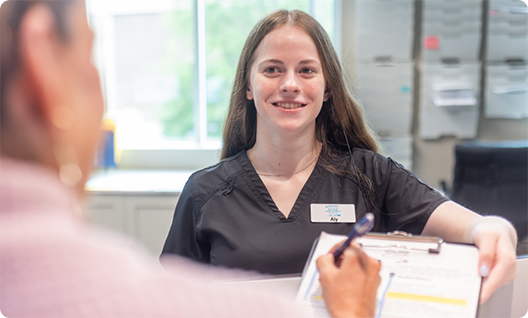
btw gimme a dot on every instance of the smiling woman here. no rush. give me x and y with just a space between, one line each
287 86
283 136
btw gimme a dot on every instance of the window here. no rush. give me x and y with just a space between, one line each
167 66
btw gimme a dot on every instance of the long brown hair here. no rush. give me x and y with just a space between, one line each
341 112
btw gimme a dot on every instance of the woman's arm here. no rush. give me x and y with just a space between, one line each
494 236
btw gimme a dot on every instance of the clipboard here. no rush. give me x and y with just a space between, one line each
420 276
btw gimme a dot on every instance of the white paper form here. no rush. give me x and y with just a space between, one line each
423 284
453 94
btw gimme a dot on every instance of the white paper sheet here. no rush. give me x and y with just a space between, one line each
423 284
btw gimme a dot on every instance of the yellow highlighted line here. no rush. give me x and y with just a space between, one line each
432 299
318 297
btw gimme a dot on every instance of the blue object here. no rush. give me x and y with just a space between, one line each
360 229
105 156
380 305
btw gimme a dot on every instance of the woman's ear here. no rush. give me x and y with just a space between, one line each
327 95
40 59
249 94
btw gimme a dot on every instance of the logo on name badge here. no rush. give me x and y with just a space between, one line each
332 213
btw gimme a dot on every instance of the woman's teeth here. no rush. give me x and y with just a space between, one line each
289 105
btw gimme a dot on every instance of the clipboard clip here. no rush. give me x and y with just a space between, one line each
399 233
403 240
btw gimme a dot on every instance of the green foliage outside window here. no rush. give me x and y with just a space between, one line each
177 115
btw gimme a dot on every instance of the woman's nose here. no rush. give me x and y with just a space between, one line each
290 83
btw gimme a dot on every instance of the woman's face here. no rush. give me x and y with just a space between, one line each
286 82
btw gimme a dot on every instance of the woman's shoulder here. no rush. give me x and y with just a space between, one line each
362 158
377 158
215 176
369 154
374 165
378 166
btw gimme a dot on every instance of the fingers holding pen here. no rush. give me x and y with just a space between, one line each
354 255
355 261
349 289
353 245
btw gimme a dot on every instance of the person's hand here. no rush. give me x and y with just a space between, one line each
496 239
349 290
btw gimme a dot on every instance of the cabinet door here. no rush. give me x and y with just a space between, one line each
150 218
107 211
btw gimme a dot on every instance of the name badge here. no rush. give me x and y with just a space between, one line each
333 213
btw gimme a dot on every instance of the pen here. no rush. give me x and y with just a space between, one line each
359 229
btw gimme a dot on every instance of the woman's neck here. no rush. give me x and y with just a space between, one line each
284 155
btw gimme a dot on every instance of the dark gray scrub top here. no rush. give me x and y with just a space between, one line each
226 217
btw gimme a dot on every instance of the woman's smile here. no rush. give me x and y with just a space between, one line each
289 105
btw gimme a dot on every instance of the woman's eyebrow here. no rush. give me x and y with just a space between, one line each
272 61
309 61
303 62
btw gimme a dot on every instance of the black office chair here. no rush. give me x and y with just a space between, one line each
491 178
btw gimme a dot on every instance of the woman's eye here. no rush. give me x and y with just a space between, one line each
271 70
307 71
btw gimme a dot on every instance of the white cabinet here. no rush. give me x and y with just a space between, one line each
149 219
507 31
145 217
449 100
451 30
384 30
506 90
386 93
107 211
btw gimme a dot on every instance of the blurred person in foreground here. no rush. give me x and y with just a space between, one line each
51 262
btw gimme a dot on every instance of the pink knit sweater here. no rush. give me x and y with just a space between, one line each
52 264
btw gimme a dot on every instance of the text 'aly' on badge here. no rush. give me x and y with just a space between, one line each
332 213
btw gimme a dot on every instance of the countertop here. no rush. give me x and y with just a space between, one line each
137 182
